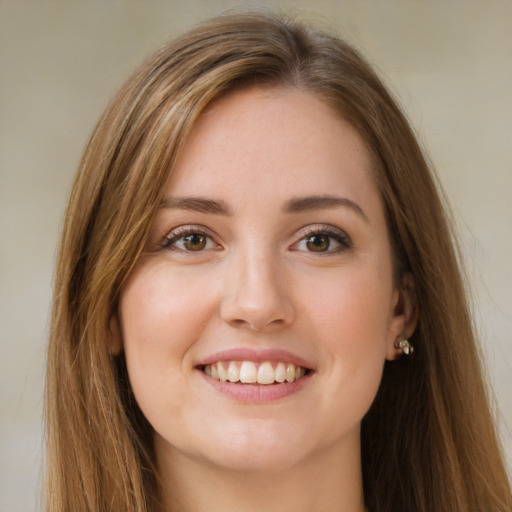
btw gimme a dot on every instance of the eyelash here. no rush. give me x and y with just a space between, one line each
181 233
332 233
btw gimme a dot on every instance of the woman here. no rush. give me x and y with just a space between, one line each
258 305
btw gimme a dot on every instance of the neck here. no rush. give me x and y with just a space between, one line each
323 483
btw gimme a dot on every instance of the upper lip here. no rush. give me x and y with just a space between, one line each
257 356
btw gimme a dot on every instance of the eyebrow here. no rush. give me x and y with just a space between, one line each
197 204
322 202
294 205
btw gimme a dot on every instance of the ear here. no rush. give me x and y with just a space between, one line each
114 341
405 315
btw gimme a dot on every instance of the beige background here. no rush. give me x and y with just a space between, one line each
450 63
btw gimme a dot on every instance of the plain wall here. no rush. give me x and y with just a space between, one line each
449 63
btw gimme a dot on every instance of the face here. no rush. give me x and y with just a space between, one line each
256 325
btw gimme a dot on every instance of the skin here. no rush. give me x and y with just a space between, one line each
257 285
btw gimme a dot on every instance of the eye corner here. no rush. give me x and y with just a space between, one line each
322 240
190 240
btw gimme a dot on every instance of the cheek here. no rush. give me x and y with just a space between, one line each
161 309
349 314
162 315
352 307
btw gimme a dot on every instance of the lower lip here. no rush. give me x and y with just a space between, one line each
254 393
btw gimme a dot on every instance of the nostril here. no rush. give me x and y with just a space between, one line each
257 325
237 322
256 294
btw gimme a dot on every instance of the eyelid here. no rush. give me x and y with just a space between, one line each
334 232
181 231
324 229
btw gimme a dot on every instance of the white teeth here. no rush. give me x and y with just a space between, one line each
280 372
266 374
233 372
223 374
290 373
248 372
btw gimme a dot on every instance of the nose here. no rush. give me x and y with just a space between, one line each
256 294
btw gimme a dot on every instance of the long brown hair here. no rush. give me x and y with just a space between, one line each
428 441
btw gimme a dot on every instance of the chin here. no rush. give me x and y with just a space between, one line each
268 448
258 460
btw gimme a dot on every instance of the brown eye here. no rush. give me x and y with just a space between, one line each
318 243
194 242
189 240
323 240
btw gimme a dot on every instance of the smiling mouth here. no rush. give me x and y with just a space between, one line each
249 372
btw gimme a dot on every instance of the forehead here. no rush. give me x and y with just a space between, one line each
272 142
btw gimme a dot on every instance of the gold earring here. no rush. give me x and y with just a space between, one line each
404 346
